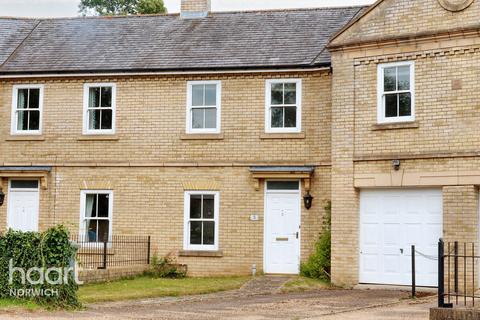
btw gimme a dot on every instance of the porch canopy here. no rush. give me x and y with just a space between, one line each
22 172
260 173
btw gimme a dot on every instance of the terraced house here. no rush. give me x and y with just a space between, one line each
212 132
204 130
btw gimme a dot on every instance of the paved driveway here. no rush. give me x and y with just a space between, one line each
324 304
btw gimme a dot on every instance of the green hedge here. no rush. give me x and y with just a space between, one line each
43 250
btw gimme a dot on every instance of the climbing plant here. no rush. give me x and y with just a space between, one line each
318 264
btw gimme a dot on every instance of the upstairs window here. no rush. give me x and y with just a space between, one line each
396 95
283 106
27 109
203 107
201 220
99 108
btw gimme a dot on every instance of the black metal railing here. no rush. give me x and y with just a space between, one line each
457 283
118 251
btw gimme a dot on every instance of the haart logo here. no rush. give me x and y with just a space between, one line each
38 276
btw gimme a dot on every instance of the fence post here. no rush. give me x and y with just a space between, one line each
148 250
441 288
413 272
455 266
105 243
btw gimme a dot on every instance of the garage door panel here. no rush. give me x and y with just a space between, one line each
370 263
390 222
370 218
435 214
414 217
391 263
371 236
433 228
391 234
413 232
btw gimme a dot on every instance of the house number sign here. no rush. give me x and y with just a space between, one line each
455 5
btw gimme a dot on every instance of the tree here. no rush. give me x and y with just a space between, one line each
121 7
151 7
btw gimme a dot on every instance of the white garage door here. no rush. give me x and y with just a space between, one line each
390 222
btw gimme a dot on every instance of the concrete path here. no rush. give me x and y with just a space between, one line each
257 300
405 310
264 285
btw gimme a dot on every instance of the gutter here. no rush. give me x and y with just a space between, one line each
153 72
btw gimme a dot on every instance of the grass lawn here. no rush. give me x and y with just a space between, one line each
148 287
304 284
9 304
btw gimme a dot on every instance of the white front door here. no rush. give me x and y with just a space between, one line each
391 221
23 205
282 228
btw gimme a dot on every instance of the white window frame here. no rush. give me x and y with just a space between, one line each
381 93
189 128
186 223
268 106
86 97
14 130
83 200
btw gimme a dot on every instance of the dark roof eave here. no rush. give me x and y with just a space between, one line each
306 169
25 168
166 70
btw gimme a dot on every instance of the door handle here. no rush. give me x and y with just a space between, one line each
296 235
401 251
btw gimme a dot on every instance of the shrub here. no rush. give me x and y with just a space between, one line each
166 267
318 264
49 249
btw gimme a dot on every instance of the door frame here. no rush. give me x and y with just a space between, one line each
13 190
296 192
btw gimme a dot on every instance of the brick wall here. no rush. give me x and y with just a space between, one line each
150 124
344 196
436 151
150 164
111 274
445 114
460 210
149 201
399 18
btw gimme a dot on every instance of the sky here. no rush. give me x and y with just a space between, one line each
69 8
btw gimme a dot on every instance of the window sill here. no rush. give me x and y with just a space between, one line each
294 135
395 126
202 136
199 253
26 138
99 137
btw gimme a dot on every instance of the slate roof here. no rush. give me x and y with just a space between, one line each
12 33
224 40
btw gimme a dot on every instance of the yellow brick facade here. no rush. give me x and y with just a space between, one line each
437 150
393 19
149 163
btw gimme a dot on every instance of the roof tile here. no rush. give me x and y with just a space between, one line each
229 40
